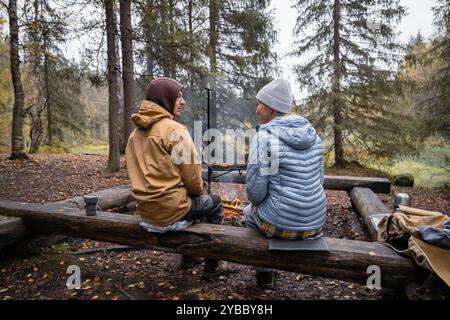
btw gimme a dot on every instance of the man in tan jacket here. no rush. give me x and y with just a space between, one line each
166 183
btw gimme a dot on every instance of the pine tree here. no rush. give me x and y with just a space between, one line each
351 53
56 79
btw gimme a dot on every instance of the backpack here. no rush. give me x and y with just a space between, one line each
400 232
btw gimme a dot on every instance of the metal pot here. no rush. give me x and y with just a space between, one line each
402 199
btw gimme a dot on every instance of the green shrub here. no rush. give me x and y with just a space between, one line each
51 149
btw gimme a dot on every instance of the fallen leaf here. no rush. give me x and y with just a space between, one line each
216 229
141 285
95 298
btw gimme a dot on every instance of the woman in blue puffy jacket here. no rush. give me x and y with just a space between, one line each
285 173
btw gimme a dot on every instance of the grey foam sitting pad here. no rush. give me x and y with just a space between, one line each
299 245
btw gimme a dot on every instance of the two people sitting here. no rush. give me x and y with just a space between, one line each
284 173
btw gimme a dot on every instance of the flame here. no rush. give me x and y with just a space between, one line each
232 208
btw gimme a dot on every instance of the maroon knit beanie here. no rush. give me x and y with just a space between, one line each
164 92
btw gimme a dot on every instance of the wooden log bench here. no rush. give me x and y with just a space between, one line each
370 208
343 183
347 259
11 230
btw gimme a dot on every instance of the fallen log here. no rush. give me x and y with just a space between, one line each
347 260
121 195
344 183
107 199
11 230
370 207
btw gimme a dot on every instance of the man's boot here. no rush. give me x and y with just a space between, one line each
264 279
214 268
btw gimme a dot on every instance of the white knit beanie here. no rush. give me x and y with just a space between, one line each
277 95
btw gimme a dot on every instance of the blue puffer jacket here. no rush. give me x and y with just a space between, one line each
287 190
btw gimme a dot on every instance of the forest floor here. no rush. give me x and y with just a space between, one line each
147 274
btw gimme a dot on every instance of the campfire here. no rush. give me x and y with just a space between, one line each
234 212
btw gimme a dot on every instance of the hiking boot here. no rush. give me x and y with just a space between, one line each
214 268
188 262
264 280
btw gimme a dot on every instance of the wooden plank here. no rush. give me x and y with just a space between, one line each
347 259
11 230
344 183
370 207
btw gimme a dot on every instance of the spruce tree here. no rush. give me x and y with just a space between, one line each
439 120
351 52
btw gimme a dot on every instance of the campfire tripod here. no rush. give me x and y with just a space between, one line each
212 168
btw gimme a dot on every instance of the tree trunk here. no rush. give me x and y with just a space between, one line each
114 155
336 88
148 25
191 39
126 33
165 61
47 88
120 124
17 147
37 130
213 43
173 58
